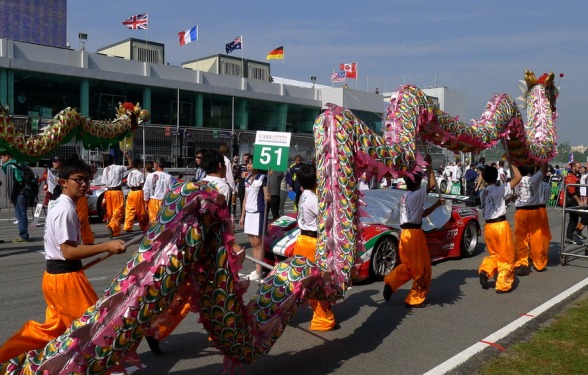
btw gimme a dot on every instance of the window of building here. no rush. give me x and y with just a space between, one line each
230 68
258 73
148 55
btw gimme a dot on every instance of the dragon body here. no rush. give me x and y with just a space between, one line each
186 256
65 125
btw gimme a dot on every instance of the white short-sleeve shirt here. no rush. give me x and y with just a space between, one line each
157 184
308 211
220 185
527 190
412 206
112 176
492 201
135 178
62 225
544 192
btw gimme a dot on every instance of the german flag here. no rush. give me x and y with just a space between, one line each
276 54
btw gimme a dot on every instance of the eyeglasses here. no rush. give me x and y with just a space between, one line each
81 181
198 157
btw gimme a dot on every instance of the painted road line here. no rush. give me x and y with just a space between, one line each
462 357
98 278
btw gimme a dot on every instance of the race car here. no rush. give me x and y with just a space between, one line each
451 232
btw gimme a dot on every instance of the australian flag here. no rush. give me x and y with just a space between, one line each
235 44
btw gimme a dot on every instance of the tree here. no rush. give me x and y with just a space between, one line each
564 149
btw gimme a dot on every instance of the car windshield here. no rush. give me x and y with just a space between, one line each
382 208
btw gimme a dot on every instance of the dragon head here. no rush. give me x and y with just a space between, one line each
547 80
134 111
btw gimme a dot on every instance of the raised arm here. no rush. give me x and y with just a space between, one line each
432 181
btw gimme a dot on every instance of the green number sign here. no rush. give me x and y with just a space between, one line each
270 157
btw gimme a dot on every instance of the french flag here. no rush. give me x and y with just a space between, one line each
188 35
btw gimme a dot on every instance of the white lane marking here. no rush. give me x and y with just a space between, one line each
97 278
460 358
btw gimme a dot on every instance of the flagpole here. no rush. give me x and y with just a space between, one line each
332 81
147 31
357 75
197 54
242 58
283 77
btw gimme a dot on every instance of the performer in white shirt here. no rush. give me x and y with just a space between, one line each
156 186
135 206
528 238
415 260
213 164
112 178
67 291
499 264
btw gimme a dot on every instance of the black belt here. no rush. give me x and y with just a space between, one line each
497 220
542 206
115 188
410 226
309 233
528 207
55 266
136 188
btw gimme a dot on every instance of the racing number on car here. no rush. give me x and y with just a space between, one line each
452 233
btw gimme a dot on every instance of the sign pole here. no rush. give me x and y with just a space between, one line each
265 212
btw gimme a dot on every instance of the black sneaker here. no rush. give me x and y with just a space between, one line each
523 270
573 241
110 232
484 280
387 292
421 305
580 235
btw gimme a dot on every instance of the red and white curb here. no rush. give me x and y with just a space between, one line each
491 340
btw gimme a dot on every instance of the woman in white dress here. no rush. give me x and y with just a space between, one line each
252 217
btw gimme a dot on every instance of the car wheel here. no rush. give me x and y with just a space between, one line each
469 240
443 187
384 258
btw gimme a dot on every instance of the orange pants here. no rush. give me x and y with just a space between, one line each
415 264
114 210
162 325
135 207
500 262
153 209
323 318
82 208
545 230
529 239
68 296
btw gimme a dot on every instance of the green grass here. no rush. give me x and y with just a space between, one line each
560 347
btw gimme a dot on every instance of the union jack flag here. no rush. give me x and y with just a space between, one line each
136 22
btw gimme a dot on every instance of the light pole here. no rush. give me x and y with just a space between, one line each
313 80
83 37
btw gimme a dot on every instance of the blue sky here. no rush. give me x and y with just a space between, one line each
480 48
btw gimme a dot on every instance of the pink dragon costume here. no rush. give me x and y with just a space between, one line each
186 255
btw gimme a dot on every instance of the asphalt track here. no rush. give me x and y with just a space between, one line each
462 326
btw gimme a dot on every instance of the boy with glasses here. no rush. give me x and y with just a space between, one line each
67 291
